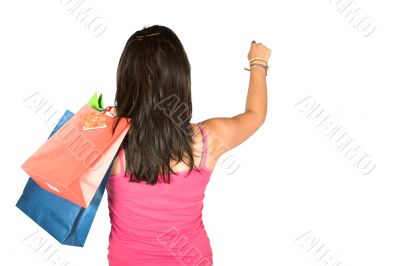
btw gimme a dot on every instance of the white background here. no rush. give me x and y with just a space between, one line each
291 181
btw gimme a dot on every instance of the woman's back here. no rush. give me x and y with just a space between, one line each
159 224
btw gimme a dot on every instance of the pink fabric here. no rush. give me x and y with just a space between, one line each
159 225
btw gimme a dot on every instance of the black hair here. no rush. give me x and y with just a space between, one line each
154 92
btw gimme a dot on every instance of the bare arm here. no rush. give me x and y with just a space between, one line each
228 132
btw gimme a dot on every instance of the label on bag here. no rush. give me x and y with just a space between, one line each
93 120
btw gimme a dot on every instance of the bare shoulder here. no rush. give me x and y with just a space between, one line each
229 132
216 145
223 134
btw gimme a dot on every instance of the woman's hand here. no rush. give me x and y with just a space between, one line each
113 111
259 50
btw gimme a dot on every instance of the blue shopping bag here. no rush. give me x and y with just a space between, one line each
65 221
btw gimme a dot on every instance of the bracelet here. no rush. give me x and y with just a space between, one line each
261 65
258 58
266 67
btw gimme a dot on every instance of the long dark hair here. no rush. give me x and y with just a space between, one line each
154 92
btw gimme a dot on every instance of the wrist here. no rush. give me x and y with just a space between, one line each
257 61
258 69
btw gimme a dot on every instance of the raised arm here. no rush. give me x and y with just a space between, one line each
225 133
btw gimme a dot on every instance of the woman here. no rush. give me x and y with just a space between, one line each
156 188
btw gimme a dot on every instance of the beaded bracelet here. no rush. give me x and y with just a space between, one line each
261 65
258 58
266 67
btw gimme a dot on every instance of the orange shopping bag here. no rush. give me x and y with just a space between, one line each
73 162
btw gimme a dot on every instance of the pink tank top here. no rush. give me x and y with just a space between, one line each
161 224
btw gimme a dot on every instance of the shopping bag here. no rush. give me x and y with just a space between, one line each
67 222
73 161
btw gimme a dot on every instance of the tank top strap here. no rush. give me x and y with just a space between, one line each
121 161
205 146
